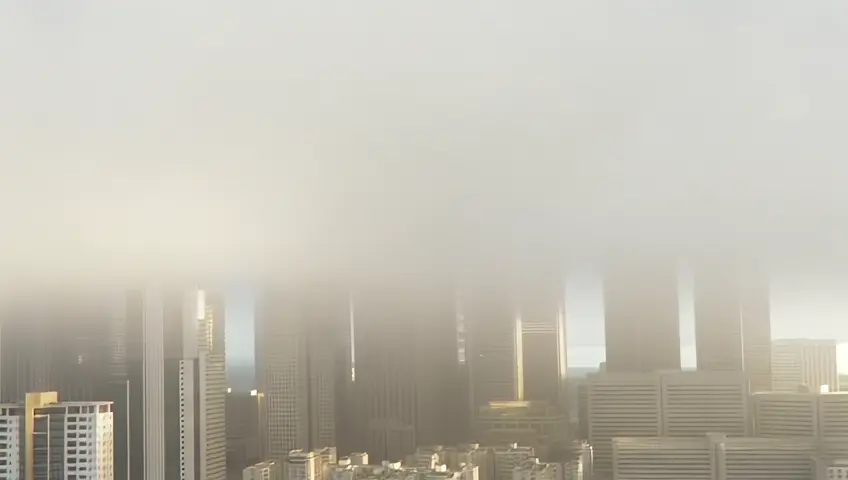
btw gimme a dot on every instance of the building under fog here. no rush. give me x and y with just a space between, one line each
804 363
300 333
642 322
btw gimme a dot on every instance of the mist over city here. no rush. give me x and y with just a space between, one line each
278 240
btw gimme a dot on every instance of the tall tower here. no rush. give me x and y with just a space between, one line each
541 310
642 321
297 350
212 363
732 322
168 375
756 330
385 346
718 319
493 345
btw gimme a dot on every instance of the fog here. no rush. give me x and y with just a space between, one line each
393 137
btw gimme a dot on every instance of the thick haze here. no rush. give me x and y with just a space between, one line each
371 136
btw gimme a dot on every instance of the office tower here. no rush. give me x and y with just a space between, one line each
621 405
756 329
494 345
732 322
46 439
440 400
212 378
262 471
298 335
536 424
506 457
385 328
811 363
718 319
542 315
243 431
701 402
662 457
168 369
642 317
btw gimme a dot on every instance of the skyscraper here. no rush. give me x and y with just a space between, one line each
756 329
718 319
173 348
493 345
385 347
541 311
299 331
732 322
642 317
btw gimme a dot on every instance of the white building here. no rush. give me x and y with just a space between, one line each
314 465
506 458
713 457
621 405
700 402
804 362
773 458
261 471
661 458
781 415
84 450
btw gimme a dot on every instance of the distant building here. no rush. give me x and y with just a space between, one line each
537 424
314 465
642 317
46 438
302 337
534 470
244 442
797 362
262 471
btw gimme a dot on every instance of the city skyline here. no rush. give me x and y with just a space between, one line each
803 306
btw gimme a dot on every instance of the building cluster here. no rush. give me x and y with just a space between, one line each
152 360
463 462
753 408
399 370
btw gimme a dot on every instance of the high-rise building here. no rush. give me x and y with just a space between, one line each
299 336
642 317
804 362
493 345
755 304
718 319
314 465
176 415
46 438
542 315
732 322
244 446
